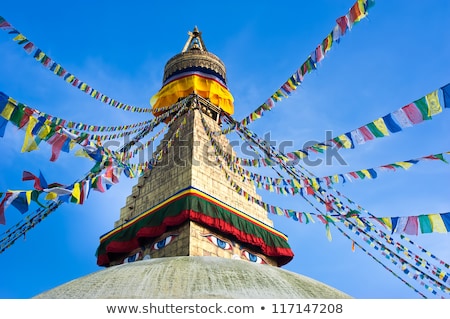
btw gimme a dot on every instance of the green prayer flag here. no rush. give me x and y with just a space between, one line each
375 131
422 105
425 224
17 115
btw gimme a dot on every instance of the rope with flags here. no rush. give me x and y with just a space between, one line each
57 69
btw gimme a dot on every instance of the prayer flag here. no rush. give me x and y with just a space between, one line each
96 184
343 24
404 165
381 126
356 12
413 113
7 200
344 140
357 137
401 118
401 224
366 133
21 202
425 224
20 39
387 221
422 105
412 226
446 220
437 225
39 182
327 43
390 123
3 123
336 33
29 144
76 192
446 93
57 141
434 106
372 173
8 110
374 130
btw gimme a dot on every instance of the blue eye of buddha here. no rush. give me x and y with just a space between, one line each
218 242
131 258
252 257
163 242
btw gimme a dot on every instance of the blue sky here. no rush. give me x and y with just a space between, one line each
393 57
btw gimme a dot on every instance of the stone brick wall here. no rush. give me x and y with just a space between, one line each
190 161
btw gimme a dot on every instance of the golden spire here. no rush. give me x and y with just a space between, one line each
195 41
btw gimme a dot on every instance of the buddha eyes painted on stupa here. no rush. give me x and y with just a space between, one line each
252 257
134 257
225 245
163 242
204 242
218 242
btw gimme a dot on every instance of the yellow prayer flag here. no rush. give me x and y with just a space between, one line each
362 9
387 221
366 173
291 84
315 184
434 107
359 222
8 110
70 78
19 37
299 154
40 56
72 144
379 123
327 228
76 192
51 196
404 165
345 141
44 130
57 68
309 217
437 225
29 144
279 211
28 195
296 183
329 43
83 86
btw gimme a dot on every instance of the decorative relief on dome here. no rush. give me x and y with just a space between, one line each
194 59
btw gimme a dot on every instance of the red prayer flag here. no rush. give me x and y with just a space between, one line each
343 24
366 133
413 113
412 226
27 176
322 219
57 141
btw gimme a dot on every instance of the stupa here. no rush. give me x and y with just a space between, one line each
184 231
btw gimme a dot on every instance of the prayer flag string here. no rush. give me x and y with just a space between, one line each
358 11
47 62
409 115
